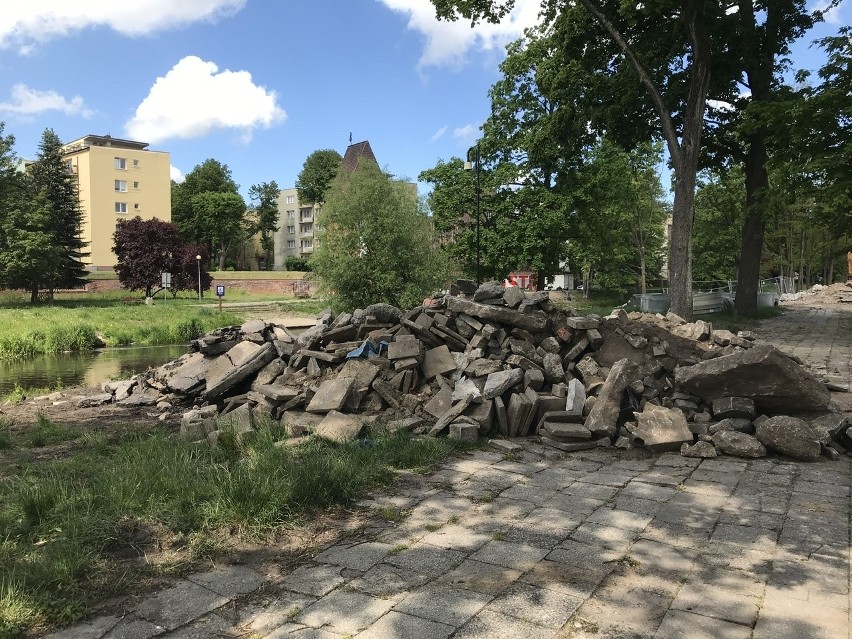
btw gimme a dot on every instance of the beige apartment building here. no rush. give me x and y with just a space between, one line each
117 179
297 222
295 234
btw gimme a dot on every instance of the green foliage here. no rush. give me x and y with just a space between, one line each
316 176
63 524
376 245
265 214
719 214
40 222
619 227
293 263
61 328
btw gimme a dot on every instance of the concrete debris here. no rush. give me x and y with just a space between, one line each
503 363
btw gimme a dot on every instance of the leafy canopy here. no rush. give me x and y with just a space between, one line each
317 173
375 244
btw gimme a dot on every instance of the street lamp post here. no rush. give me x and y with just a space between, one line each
198 264
475 166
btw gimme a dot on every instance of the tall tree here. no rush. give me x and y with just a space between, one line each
640 35
317 173
211 176
46 229
145 249
376 245
265 211
223 215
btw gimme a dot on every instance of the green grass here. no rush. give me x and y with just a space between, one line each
65 523
29 331
598 303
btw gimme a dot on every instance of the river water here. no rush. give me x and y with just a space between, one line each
84 369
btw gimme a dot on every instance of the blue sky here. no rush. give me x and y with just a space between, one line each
260 84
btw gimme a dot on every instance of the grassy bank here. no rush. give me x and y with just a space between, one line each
69 527
28 331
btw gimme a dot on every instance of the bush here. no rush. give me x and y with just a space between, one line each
297 264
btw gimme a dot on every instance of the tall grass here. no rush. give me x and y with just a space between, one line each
64 523
31 331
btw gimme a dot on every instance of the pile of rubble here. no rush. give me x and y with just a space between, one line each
503 362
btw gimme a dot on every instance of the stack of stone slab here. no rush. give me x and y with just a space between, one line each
503 362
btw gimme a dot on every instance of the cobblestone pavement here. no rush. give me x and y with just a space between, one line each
820 335
598 544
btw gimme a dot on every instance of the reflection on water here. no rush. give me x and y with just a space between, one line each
85 369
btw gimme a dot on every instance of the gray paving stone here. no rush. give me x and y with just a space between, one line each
489 579
541 606
457 537
608 536
426 559
388 582
275 612
719 603
344 612
624 519
396 624
449 606
509 555
296 631
679 625
210 625
130 628
489 624
361 556
567 579
316 580
94 629
618 611
229 580
180 604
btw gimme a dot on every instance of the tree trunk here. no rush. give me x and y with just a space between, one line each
680 246
642 283
751 246
34 295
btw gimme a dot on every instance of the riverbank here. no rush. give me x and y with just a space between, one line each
95 321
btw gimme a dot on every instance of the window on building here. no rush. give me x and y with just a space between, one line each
136 207
135 164
307 243
121 207
291 243
291 214
306 213
121 163
291 199
121 186
306 228
291 229
136 185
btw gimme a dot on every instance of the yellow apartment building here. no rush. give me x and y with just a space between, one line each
117 179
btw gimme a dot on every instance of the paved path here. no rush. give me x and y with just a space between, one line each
599 544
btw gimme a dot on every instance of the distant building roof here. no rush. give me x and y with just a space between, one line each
102 140
356 152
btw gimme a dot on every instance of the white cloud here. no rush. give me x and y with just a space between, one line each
466 133
194 98
832 16
437 135
175 173
448 42
25 25
26 101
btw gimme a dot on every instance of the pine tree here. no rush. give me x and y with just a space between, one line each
54 187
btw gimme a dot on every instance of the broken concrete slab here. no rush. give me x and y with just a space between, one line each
764 374
332 395
731 442
535 321
603 418
339 427
789 436
661 429
236 365
498 383
437 361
